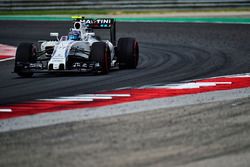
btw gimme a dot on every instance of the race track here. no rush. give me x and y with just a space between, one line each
203 134
169 52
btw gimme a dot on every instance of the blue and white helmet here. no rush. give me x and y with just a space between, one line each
74 35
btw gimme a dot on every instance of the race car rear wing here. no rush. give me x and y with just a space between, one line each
99 23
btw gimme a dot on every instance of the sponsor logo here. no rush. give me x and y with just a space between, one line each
97 21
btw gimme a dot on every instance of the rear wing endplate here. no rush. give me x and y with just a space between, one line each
99 23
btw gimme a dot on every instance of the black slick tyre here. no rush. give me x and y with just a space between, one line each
25 54
128 53
100 54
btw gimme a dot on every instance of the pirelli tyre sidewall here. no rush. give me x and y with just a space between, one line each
25 54
100 53
128 53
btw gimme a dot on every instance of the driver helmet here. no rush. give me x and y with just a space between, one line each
74 35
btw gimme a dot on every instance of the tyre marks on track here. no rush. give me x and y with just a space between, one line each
172 63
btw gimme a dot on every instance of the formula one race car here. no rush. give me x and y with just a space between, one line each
80 51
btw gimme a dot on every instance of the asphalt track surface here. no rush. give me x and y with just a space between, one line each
208 135
169 52
214 134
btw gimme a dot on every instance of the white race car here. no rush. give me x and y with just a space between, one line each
80 51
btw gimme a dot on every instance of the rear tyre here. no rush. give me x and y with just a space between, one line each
25 54
128 53
100 54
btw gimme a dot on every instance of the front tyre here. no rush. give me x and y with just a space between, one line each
25 54
128 53
100 54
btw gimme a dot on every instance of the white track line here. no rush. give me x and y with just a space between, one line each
67 100
191 85
105 95
244 75
11 58
5 110
87 97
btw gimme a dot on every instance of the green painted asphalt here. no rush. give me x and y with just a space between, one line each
136 19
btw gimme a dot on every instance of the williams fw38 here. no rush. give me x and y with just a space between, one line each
80 51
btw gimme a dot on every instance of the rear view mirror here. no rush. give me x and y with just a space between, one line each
54 34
